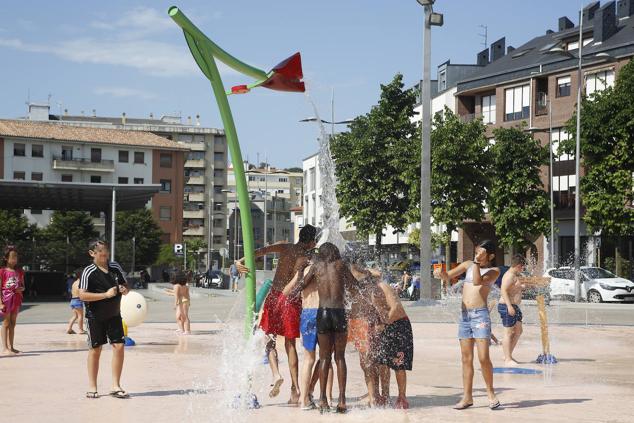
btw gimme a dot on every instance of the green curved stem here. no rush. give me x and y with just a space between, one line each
187 26
204 51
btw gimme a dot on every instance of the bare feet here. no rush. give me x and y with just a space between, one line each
7 352
493 402
401 404
275 387
70 332
510 363
463 404
294 397
14 351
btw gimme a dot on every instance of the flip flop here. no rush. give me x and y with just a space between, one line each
464 406
310 407
275 388
121 394
495 405
340 410
92 395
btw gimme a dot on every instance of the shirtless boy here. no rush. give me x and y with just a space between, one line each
509 308
475 322
280 314
331 275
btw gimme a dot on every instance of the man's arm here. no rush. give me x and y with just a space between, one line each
489 277
455 272
295 286
89 297
392 302
270 249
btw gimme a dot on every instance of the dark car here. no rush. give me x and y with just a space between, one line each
217 279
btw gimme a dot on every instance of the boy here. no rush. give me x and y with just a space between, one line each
509 308
100 288
475 323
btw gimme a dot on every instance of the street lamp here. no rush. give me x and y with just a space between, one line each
235 220
431 19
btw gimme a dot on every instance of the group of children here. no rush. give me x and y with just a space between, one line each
331 301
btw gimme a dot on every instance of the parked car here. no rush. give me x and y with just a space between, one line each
217 279
597 284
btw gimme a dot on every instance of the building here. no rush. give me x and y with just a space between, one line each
204 182
274 191
516 85
48 151
312 207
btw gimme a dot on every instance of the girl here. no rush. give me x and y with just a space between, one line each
77 306
181 302
12 287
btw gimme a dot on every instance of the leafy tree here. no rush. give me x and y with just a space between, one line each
607 152
518 203
294 169
437 239
374 163
166 256
16 230
147 236
459 172
65 240
196 248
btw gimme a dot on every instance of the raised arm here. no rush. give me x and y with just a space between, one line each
489 277
295 286
455 272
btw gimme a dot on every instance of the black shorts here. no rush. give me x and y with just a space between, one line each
396 345
331 320
100 331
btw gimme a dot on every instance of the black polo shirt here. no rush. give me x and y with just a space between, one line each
95 280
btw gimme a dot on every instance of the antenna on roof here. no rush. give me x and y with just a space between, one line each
485 35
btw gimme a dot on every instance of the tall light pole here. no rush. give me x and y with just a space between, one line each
577 168
435 19
210 226
266 194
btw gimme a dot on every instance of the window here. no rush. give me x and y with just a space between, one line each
251 178
122 179
138 181
165 160
218 206
37 150
19 150
218 189
166 185
563 86
139 157
311 178
95 179
564 187
37 176
67 178
283 180
67 152
560 134
36 211
280 191
442 80
488 109
573 45
599 81
196 155
95 155
123 156
219 156
517 105
218 173
19 176
165 213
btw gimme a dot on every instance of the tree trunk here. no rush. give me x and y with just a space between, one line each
378 247
445 285
618 262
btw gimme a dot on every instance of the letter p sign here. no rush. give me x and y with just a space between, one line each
178 249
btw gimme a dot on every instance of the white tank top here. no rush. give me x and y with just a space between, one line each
469 276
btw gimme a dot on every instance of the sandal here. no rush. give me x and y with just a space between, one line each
494 405
310 407
121 394
92 395
70 332
275 388
462 406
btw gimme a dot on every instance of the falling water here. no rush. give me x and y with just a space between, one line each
328 182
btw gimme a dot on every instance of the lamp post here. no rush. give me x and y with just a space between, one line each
431 19
235 221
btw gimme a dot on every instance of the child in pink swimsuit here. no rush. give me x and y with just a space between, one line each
11 290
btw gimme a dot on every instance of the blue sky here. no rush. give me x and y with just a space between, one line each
128 56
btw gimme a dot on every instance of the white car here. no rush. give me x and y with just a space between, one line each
597 284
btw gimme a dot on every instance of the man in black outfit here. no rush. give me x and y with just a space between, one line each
101 286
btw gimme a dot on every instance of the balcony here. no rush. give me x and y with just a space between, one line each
197 146
193 214
195 164
196 180
196 197
220 164
194 231
65 163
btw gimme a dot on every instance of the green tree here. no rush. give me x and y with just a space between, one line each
518 203
196 248
140 225
375 162
294 169
65 240
16 230
459 172
166 256
607 153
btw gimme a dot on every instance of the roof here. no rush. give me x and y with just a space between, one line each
74 196
529 57
56 131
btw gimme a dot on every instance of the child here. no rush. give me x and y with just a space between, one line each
77 306
475 323
12 288
181 302
509 308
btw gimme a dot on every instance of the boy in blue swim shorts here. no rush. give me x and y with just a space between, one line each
509 308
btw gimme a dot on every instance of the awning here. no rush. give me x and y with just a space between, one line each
73 196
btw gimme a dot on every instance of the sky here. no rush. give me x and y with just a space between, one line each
128 56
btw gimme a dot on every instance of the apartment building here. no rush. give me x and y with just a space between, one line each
516 86
45 151
204 180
